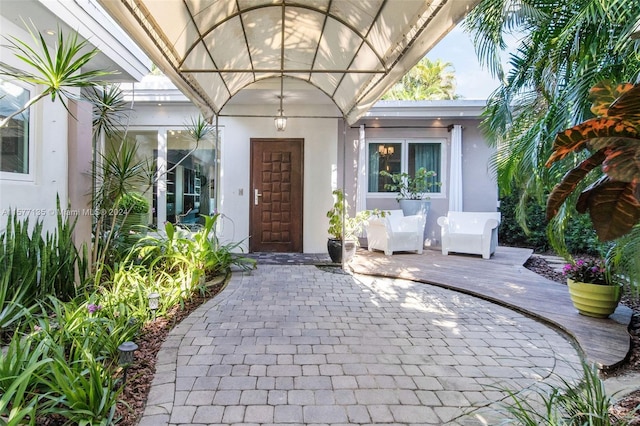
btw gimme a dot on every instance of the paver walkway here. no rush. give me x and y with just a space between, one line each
299 345
504 280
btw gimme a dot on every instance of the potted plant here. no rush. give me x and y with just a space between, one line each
593 289
343 230
412 191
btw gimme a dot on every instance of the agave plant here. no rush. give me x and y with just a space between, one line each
613 141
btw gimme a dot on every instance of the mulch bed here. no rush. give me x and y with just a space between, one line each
154 333
140 374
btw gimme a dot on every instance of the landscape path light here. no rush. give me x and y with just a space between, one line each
126 351
154 302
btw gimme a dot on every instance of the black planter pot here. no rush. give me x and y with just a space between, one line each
334 247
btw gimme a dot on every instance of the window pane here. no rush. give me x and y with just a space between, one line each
425 155
146 142
190 185
14 137
383 157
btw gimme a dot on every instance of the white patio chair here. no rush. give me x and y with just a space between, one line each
395 232
469 232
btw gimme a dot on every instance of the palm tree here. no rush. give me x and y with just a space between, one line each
427 80
565 48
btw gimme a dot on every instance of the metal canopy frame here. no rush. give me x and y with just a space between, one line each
353 51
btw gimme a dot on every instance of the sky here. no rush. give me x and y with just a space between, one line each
472 81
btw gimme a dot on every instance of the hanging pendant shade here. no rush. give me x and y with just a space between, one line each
280 122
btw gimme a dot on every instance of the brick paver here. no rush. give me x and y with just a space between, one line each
299 345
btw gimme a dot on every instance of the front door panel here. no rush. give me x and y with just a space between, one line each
276 195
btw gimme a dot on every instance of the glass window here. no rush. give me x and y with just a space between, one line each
140 175
405 156
383 157
425 155
190 177
14 137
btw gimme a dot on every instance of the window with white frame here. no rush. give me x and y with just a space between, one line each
15 135
403 156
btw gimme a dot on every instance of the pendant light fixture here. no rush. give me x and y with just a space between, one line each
281 121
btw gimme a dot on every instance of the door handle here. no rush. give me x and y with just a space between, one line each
256 196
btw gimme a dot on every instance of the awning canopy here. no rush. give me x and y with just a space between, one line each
351 50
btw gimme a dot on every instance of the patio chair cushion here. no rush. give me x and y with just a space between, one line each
469 232
395 232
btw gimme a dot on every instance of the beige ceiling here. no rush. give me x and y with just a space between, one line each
350 50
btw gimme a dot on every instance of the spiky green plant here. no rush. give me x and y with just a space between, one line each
55 69
570 404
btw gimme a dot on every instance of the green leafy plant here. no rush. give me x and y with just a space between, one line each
35 264
612 139
84 391
133 202
570 404
411 187
22 362
341 225
19 404
15 303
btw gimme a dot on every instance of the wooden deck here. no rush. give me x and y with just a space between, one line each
503 280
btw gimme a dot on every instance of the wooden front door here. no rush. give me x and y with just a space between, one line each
276 195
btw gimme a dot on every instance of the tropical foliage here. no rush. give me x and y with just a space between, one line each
563 48
427 80
62 356
613 141
56 70
570 404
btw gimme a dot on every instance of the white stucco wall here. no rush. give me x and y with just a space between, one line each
320 144
320 165
34 195
480 191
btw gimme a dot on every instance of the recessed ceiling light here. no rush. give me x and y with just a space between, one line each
49 32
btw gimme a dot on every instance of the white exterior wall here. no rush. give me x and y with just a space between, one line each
479 187
34 195
235 192
320 162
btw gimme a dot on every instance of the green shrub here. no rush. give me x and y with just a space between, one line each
133 202
84 391
21 365
82 325
580 237
511 233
